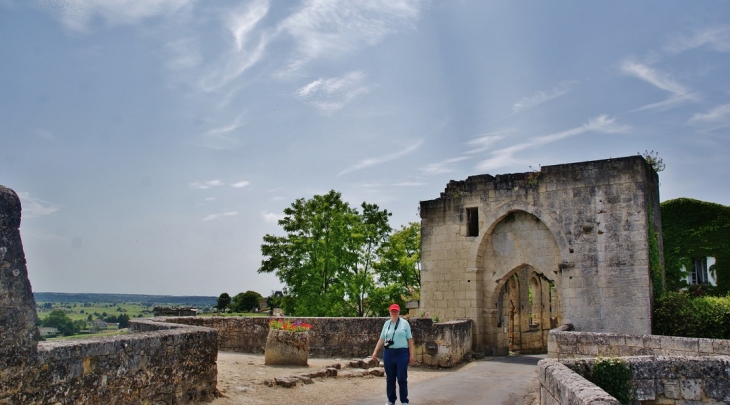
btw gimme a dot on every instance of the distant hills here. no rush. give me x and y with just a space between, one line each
187 301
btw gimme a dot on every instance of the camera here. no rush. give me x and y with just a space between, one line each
388 343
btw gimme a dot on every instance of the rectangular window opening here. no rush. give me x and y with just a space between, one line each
472 219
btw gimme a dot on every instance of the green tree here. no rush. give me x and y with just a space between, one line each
223 301
246 302
336 261
59 320
317 250
370 234
123 320
399 273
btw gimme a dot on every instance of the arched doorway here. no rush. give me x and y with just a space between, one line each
520 261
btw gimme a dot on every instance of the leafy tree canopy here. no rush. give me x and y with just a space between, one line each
123 320
223 301
59 320
246 302
332 258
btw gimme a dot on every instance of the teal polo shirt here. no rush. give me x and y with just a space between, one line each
400 336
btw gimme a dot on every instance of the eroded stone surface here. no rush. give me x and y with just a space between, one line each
18 333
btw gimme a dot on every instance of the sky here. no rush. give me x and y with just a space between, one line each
153 143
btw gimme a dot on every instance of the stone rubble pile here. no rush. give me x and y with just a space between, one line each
355 368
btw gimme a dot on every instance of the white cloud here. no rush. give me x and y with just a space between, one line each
661 80
272 218
221 137
331 94
335 27
484 142
504 157
33 207
715 38
216 216
379 160
664 81
672 102
245 51
76 14
210 199
240 184
206 185
444 166
543 96
718 115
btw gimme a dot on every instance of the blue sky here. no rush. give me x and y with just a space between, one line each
155 142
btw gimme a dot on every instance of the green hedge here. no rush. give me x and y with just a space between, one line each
681 314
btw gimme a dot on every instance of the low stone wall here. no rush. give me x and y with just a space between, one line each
436 344
588 344
656 380
559 385
157 363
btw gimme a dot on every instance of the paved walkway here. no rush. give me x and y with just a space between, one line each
494 380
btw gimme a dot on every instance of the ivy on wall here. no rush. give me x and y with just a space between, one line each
692 229
655 258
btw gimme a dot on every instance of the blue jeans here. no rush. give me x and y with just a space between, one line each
396 367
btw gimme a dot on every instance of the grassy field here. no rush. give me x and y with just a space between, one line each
81 311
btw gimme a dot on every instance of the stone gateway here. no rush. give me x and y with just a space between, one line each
522 253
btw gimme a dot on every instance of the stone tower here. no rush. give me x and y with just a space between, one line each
522 253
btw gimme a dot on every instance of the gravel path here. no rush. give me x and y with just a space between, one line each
242 377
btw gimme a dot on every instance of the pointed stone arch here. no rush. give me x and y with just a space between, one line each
517 242
494 217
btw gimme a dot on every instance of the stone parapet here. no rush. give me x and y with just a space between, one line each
561 385
159 364
587 344
655 380
162 363
436 344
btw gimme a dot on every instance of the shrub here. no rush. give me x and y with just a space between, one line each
613 376
681 314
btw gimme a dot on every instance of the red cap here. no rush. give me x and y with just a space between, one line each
395 307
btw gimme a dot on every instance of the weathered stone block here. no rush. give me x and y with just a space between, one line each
691 389
286 348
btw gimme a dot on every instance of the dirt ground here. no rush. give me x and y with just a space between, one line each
241 379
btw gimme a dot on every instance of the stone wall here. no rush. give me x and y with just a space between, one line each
436 344
656 380
18 333
580 228
161 364
563 345
559 385
176 365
